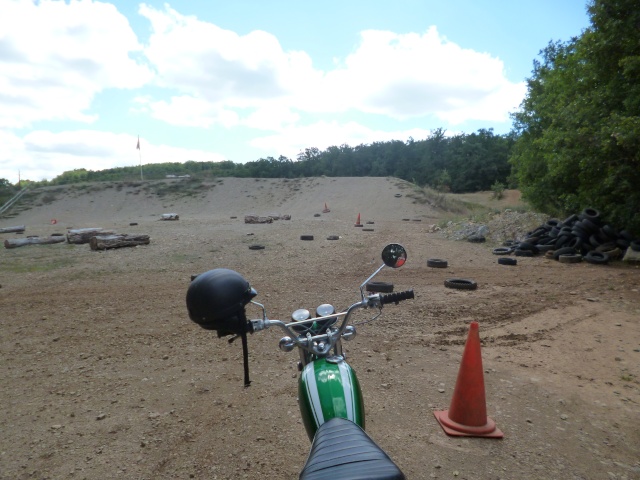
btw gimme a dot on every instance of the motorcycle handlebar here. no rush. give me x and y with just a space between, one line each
396 297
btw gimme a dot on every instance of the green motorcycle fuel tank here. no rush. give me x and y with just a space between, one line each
329 388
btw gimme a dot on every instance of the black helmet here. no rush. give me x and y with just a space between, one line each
216 300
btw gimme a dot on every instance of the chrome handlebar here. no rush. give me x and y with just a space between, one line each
320 344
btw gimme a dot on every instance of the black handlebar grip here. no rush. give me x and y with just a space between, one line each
396 297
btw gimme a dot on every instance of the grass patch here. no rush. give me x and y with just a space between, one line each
38 265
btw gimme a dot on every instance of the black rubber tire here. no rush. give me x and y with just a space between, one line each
523 253
502 251
594 241
316 215
623 243
367 229
133 224
598 258
570 220
553 222
333 237
461 284
607 247
507 261
575 243
528 246
545 248
610 232
626 235
564 251
592 215
256 247
306 237
581 233
570 258
437 263
379 287
398 195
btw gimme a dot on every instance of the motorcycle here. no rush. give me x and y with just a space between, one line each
329 395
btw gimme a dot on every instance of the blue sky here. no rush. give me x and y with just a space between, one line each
240 80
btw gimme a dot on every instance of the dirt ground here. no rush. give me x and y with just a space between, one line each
103 375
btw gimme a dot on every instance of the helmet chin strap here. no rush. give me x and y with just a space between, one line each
245 347
245 358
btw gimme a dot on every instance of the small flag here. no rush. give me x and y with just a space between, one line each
138 146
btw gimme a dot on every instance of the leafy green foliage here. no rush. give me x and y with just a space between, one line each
7 190
498 190
578 128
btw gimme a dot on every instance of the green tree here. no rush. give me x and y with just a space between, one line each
578 128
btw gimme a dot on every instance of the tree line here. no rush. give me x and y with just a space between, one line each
458 163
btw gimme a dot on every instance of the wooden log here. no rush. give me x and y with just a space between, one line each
21 242
17 229
104 242
83 235
279 216
257 219
170 216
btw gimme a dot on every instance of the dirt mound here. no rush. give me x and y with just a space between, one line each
121 202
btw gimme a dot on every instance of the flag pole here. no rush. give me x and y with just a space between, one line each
140 155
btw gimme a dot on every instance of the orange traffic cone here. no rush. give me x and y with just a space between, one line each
467 414
358 224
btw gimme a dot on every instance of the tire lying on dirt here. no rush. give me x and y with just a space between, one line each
461 284
380 287
333 237
570 258
256 247
502 251
507 261
306 237
563 251
598 258
437 263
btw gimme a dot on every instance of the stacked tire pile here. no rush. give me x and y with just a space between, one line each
585 236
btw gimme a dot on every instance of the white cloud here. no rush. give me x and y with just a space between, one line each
217 65
323 134
413 75
186 110
55 56
395 75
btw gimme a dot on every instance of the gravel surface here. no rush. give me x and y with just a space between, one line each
102 374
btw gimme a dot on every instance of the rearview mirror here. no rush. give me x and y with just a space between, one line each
394 255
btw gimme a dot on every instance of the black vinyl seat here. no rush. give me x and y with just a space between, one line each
341 450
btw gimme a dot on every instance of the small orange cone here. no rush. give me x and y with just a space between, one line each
358 224
467 414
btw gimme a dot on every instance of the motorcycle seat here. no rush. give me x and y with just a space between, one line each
342 450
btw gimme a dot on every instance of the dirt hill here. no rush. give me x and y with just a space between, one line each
103 375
